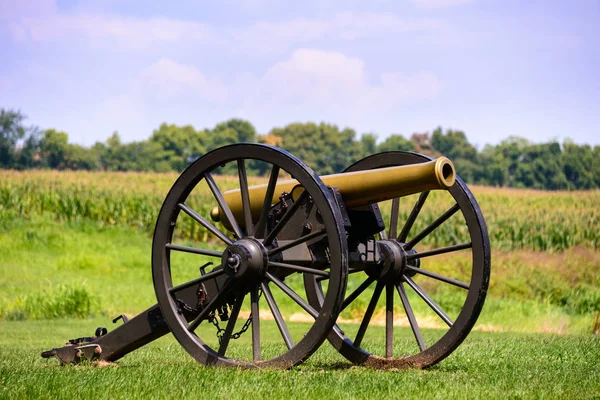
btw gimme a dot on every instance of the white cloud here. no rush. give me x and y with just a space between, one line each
163 85
309 85
315 84
315 75
334 80
167 78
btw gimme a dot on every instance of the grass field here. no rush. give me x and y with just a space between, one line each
487 365
50 269
75 252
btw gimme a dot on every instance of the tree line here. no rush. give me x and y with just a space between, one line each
514 162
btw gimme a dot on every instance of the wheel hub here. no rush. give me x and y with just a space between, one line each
245 259
394 262
393 259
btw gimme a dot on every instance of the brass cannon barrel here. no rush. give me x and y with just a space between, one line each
357 188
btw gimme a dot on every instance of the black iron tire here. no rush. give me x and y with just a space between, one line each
477 287
163 234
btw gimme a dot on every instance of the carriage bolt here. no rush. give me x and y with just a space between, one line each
234 262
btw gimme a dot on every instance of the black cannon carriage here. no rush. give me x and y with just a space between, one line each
296 239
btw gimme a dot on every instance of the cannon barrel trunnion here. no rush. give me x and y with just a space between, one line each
308 248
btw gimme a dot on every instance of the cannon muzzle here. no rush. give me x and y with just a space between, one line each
357 188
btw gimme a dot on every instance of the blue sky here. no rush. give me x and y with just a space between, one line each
492 68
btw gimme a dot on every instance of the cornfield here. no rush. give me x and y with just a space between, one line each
516 219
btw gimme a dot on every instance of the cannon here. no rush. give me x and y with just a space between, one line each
315 247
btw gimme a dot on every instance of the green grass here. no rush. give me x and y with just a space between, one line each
40 257
60 280
487 365
84 268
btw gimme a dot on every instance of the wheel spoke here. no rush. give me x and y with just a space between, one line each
197 281
218 299
442 250
194 250
389 320
394 217
357 292
277 315
412 217
245 197
262 221
293 295
296 242
298 268
438 277
411 317
231 323
368 314
223 205
202 221
286 217
451 211
255 324
434 306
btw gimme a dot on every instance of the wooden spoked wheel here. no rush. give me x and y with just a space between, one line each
251 276
382 302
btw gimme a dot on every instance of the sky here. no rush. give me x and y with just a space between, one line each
492 68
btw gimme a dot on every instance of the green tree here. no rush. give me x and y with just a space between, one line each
177 146
494 167
539 166
112 157
369 144
578 163
79 157
222 137
244 130
512 152
453 144
396 142
323 146
53 148
595 166
145 156
12 131
29 154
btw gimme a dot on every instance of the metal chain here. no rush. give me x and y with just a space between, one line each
220 331
244 328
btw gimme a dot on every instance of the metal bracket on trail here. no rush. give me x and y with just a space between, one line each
74 353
